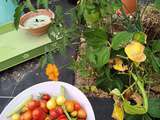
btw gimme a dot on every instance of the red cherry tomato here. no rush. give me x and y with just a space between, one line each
53 114
61 117
38 114
77 106
45 97
33 104
59 111
43 105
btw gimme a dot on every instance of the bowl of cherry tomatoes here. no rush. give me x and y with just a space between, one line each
49 101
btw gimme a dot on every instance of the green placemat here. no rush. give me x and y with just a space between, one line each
19 46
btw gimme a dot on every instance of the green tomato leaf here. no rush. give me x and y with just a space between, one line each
98 57
91 18
42 2
140 37
103 55
154 107
121 39
30 6
96 37
17 14
116 5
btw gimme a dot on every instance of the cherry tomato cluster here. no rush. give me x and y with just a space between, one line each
51 108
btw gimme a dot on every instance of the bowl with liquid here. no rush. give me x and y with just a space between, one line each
37 22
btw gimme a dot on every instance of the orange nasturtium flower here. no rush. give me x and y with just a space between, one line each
135 52
118 65
52 72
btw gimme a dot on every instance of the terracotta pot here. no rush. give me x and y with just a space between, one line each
41 29
129 6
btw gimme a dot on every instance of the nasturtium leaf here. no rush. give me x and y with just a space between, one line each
121 39
140 37
154 107
96 37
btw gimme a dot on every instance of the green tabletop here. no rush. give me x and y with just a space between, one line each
19 46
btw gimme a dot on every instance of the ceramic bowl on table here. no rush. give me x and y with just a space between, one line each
37 22
53 89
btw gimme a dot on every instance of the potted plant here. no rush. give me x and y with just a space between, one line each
36 20
117 62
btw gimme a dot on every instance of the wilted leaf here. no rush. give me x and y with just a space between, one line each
133 109
121 39
118 113
137 98
115 92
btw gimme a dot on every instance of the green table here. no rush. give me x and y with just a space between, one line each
19 46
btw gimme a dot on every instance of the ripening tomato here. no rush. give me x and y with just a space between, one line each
69 106
82 114
46 97
33 104
27 115
43 105
51 104
16 116
60 100
74 113
38 114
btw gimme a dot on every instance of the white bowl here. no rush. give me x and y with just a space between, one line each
52 88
